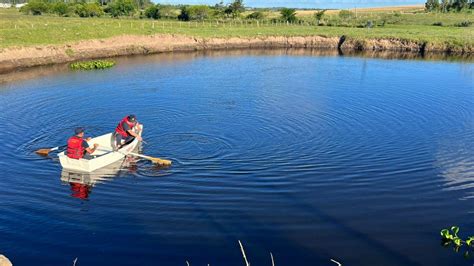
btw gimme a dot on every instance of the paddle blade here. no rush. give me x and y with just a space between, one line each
43 152
161 162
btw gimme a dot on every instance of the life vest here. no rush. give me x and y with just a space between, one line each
119 129
74 148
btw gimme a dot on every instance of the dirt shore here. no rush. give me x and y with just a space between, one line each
15 58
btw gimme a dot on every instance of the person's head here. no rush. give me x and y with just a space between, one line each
132 118
79 132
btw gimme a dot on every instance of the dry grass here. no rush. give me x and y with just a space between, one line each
388 9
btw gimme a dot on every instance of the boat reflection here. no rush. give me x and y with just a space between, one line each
82 183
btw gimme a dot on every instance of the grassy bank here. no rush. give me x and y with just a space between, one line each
18 30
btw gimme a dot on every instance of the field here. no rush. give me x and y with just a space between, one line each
18 30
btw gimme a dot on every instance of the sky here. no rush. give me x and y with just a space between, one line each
304 3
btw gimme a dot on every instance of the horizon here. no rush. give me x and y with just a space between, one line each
304 3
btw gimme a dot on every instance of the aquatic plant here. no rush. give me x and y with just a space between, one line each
450 237
94 64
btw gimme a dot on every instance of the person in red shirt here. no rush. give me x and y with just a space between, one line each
77 146
124 132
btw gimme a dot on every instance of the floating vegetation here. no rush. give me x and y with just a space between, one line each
451 238
94 64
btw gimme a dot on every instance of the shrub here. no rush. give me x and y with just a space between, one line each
35 8
346 14
60 8
256 15
438 24
466 23
84 10
166 11
93 10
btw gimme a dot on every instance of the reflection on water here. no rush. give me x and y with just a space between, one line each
81 184
42 71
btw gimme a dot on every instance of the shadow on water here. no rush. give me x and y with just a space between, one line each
43 71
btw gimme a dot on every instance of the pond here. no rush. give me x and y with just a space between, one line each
309 157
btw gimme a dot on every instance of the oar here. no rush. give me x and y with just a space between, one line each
156 160
45 152
159 161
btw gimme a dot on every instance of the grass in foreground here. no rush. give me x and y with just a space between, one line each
17 29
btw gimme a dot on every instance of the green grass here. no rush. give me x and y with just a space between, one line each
94 64
17 29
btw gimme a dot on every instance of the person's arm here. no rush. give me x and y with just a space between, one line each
90 151
85 145
131 132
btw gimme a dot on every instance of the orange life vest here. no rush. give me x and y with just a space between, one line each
119 129
74 148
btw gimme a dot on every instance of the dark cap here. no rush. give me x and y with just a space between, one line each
132 118
78 130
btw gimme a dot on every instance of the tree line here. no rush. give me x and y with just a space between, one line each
147 9
448 5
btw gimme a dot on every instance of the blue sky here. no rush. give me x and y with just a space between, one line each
304 3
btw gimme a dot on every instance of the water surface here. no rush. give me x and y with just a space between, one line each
362 160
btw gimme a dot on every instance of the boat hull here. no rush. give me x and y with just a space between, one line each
103 156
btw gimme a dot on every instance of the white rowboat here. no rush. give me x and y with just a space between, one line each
103 156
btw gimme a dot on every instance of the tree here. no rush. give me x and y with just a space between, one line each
198 12
319 15
121 8
288 14
184 14
235 8
459 5
152 12
143 3
432 5
445 5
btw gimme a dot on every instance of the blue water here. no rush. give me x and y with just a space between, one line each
312 158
